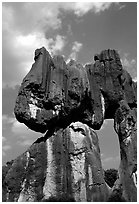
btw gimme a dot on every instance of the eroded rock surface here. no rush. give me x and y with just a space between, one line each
65 167
52 97
126 128
54 94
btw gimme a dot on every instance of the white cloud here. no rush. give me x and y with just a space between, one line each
25 136
7 18
7 119
82 8
76 46
20 53
135 79
4 139
22 131
28 17
24 30
25 27
129 64
69 31
36 40
122 6
102 155
75 50
28 44
58 44
25 41
5 148
19 128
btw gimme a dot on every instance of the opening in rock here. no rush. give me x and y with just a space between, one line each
109 145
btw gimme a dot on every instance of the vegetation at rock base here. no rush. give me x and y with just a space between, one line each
116 196
110 176
64 198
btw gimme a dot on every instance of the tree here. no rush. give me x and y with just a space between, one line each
116 196
110 176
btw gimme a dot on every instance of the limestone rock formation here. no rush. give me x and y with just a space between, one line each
50 92
65 167
55 93
65 163
126 128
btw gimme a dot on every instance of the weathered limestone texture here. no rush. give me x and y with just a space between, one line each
65 166
54 91
126 128
68 102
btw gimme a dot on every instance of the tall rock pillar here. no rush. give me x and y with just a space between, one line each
125 124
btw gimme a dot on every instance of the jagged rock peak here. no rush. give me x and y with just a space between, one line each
55 93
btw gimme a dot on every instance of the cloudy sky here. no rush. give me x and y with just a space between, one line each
75 30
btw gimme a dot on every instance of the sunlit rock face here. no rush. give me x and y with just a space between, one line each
64 167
